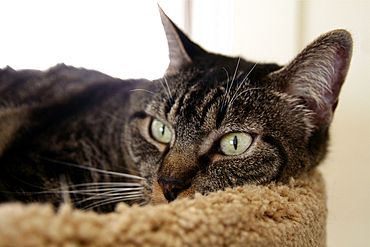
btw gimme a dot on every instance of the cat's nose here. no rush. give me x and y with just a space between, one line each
172 187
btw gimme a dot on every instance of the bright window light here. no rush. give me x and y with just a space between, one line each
124 39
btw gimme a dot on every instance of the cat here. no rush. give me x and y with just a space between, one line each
212 122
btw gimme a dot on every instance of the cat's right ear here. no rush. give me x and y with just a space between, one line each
317 74
182 50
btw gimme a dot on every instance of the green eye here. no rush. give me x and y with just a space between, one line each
160 132
235 143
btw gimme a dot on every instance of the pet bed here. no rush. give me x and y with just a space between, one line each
269 215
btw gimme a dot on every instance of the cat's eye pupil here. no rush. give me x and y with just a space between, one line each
162 129
235 143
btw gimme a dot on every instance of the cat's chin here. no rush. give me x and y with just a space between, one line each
157 196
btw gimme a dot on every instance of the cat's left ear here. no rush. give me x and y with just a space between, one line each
182 50
318 73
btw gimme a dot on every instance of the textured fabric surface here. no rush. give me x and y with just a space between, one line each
272 215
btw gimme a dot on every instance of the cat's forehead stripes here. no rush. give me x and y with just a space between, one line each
206 101
187 98
172 109
199 103
210 105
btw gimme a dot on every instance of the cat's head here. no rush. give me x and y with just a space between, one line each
214 121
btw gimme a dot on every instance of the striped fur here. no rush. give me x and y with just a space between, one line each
80 136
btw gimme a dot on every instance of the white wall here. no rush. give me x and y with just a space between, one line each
264 31
211 24
267 30
347 167
121 38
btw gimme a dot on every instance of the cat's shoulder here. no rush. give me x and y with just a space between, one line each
60 81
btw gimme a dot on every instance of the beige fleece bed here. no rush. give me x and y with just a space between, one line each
273 215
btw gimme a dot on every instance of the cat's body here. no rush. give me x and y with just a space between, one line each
67 114
211 122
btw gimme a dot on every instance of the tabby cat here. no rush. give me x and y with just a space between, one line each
211 122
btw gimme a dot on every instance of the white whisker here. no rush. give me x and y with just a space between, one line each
166 89
94 191
236 96
107 195
94 169
110 201
105 184
227 86
241 84
232 81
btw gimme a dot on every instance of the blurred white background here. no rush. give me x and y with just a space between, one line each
275 31
125 39
120 38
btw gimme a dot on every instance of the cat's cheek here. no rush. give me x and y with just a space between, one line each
188 193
